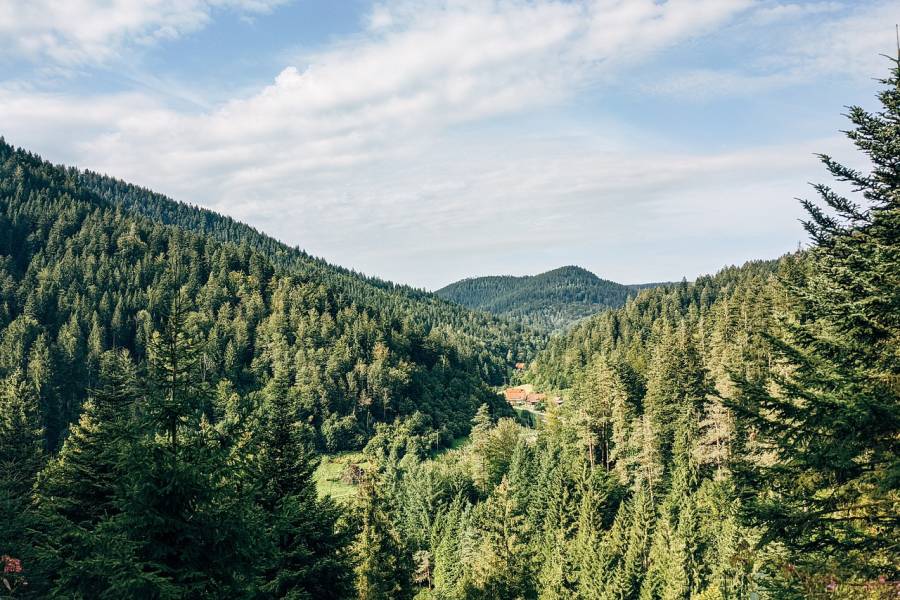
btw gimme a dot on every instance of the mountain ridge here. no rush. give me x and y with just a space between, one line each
552 300
88 264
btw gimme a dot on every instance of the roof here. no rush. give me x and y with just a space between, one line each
514 394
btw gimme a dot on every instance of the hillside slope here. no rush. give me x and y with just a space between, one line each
88 264
483 334
551 300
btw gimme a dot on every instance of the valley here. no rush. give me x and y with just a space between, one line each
190 408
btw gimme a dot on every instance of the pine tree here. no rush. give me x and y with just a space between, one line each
677 378
479 437
309 544
174 356
21 448
194 520
588 569
503 564
21 456
186 501
383 568
80 483
730 557
447 541
556 499
80 494
599 396
625 581
666 577
676 561
831 419
601 564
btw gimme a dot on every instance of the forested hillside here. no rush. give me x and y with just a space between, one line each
630 330
736 437
168 378
84 272
551 300
478 333
632 470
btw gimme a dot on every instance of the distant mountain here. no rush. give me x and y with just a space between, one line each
551 300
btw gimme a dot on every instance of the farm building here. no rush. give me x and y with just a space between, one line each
515 394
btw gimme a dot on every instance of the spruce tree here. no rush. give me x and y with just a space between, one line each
186 503
384 566
80 483
503 567
599 396
21 456
831 418
175 369
626 580
80 493
447 541
310 546
601 567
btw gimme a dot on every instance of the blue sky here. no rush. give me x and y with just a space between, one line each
424 142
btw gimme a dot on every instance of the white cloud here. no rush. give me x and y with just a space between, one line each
378 96
356 152
849 44
709 84
773 13
74 32
852 45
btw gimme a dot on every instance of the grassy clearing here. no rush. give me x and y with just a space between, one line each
328 475
331 470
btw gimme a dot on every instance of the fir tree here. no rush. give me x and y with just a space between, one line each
80 483
21 456
174 355
503 567
384 567
185 501
832 417
310 545
80 492
634 547
447 542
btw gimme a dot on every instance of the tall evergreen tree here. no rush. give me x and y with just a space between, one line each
503 567
634 547
80 483
449 568
310 546
832 418
174 354
186 504
85 550
384 566
21 456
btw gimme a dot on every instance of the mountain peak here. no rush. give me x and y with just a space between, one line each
551 300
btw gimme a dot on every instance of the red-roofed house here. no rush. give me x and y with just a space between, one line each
515 394
535 398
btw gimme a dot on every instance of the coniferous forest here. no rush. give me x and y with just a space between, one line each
549 301
170 381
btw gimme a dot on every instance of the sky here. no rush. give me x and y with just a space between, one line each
428 141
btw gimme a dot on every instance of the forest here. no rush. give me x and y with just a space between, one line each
170 380
549 301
